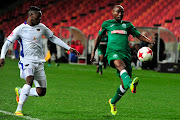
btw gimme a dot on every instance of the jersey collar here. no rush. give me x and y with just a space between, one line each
118 22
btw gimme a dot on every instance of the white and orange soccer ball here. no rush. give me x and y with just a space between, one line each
145 54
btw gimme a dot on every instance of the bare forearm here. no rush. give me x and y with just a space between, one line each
96 42
145 39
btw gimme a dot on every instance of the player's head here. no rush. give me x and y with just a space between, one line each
118 12
34 15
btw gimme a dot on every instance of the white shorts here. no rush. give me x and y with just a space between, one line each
35 69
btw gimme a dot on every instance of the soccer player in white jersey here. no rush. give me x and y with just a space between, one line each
31 62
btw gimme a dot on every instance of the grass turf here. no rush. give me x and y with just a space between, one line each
77 92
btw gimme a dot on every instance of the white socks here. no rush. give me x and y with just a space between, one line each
100 63
25 91
33 92
23 96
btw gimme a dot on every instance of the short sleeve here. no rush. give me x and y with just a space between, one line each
134 31
103 28
47 32
14 35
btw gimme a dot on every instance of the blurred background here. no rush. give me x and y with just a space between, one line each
78 21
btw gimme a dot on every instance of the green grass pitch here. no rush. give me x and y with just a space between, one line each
77 92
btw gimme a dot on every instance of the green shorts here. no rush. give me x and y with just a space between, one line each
120 56
102 50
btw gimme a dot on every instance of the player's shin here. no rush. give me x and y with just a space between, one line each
120 92
126 79
32 92
100 65
23 96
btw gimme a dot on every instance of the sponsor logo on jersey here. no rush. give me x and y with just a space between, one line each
119 31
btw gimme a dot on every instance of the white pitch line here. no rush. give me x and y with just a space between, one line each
26 117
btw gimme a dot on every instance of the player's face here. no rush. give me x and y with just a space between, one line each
36 17
118 13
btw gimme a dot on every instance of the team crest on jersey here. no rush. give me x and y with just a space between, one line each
34 38
115 56
124 25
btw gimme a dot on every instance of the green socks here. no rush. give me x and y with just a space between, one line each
126 79
120 92
100 65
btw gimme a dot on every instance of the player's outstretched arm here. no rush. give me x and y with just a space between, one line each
74 51
59 42
145 39
96 43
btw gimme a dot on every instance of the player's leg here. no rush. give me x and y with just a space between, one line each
39 82
39 90
24 94
26 71
56 59
49 62
100 63
119 93
128 83
120 65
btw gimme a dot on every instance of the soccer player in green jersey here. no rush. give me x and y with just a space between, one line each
101 53
118 51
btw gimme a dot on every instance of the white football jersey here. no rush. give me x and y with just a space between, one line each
30 38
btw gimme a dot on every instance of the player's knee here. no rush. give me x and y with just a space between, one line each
41 91
29 80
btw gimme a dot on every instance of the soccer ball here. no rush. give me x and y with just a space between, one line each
145 54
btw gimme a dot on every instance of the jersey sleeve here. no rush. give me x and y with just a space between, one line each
47 32
103 29
14 35
134 31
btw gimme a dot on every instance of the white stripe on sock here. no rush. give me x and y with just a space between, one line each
123 71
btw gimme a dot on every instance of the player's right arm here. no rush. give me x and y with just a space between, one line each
97 40
10 39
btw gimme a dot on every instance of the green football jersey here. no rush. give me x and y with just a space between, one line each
118 33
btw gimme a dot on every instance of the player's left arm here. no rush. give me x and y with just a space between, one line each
49 34
59 42
145 39
137 34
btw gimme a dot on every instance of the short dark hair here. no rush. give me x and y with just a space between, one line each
34 8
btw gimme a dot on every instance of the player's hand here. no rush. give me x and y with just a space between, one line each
2 62
92 57
152 41
74 51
